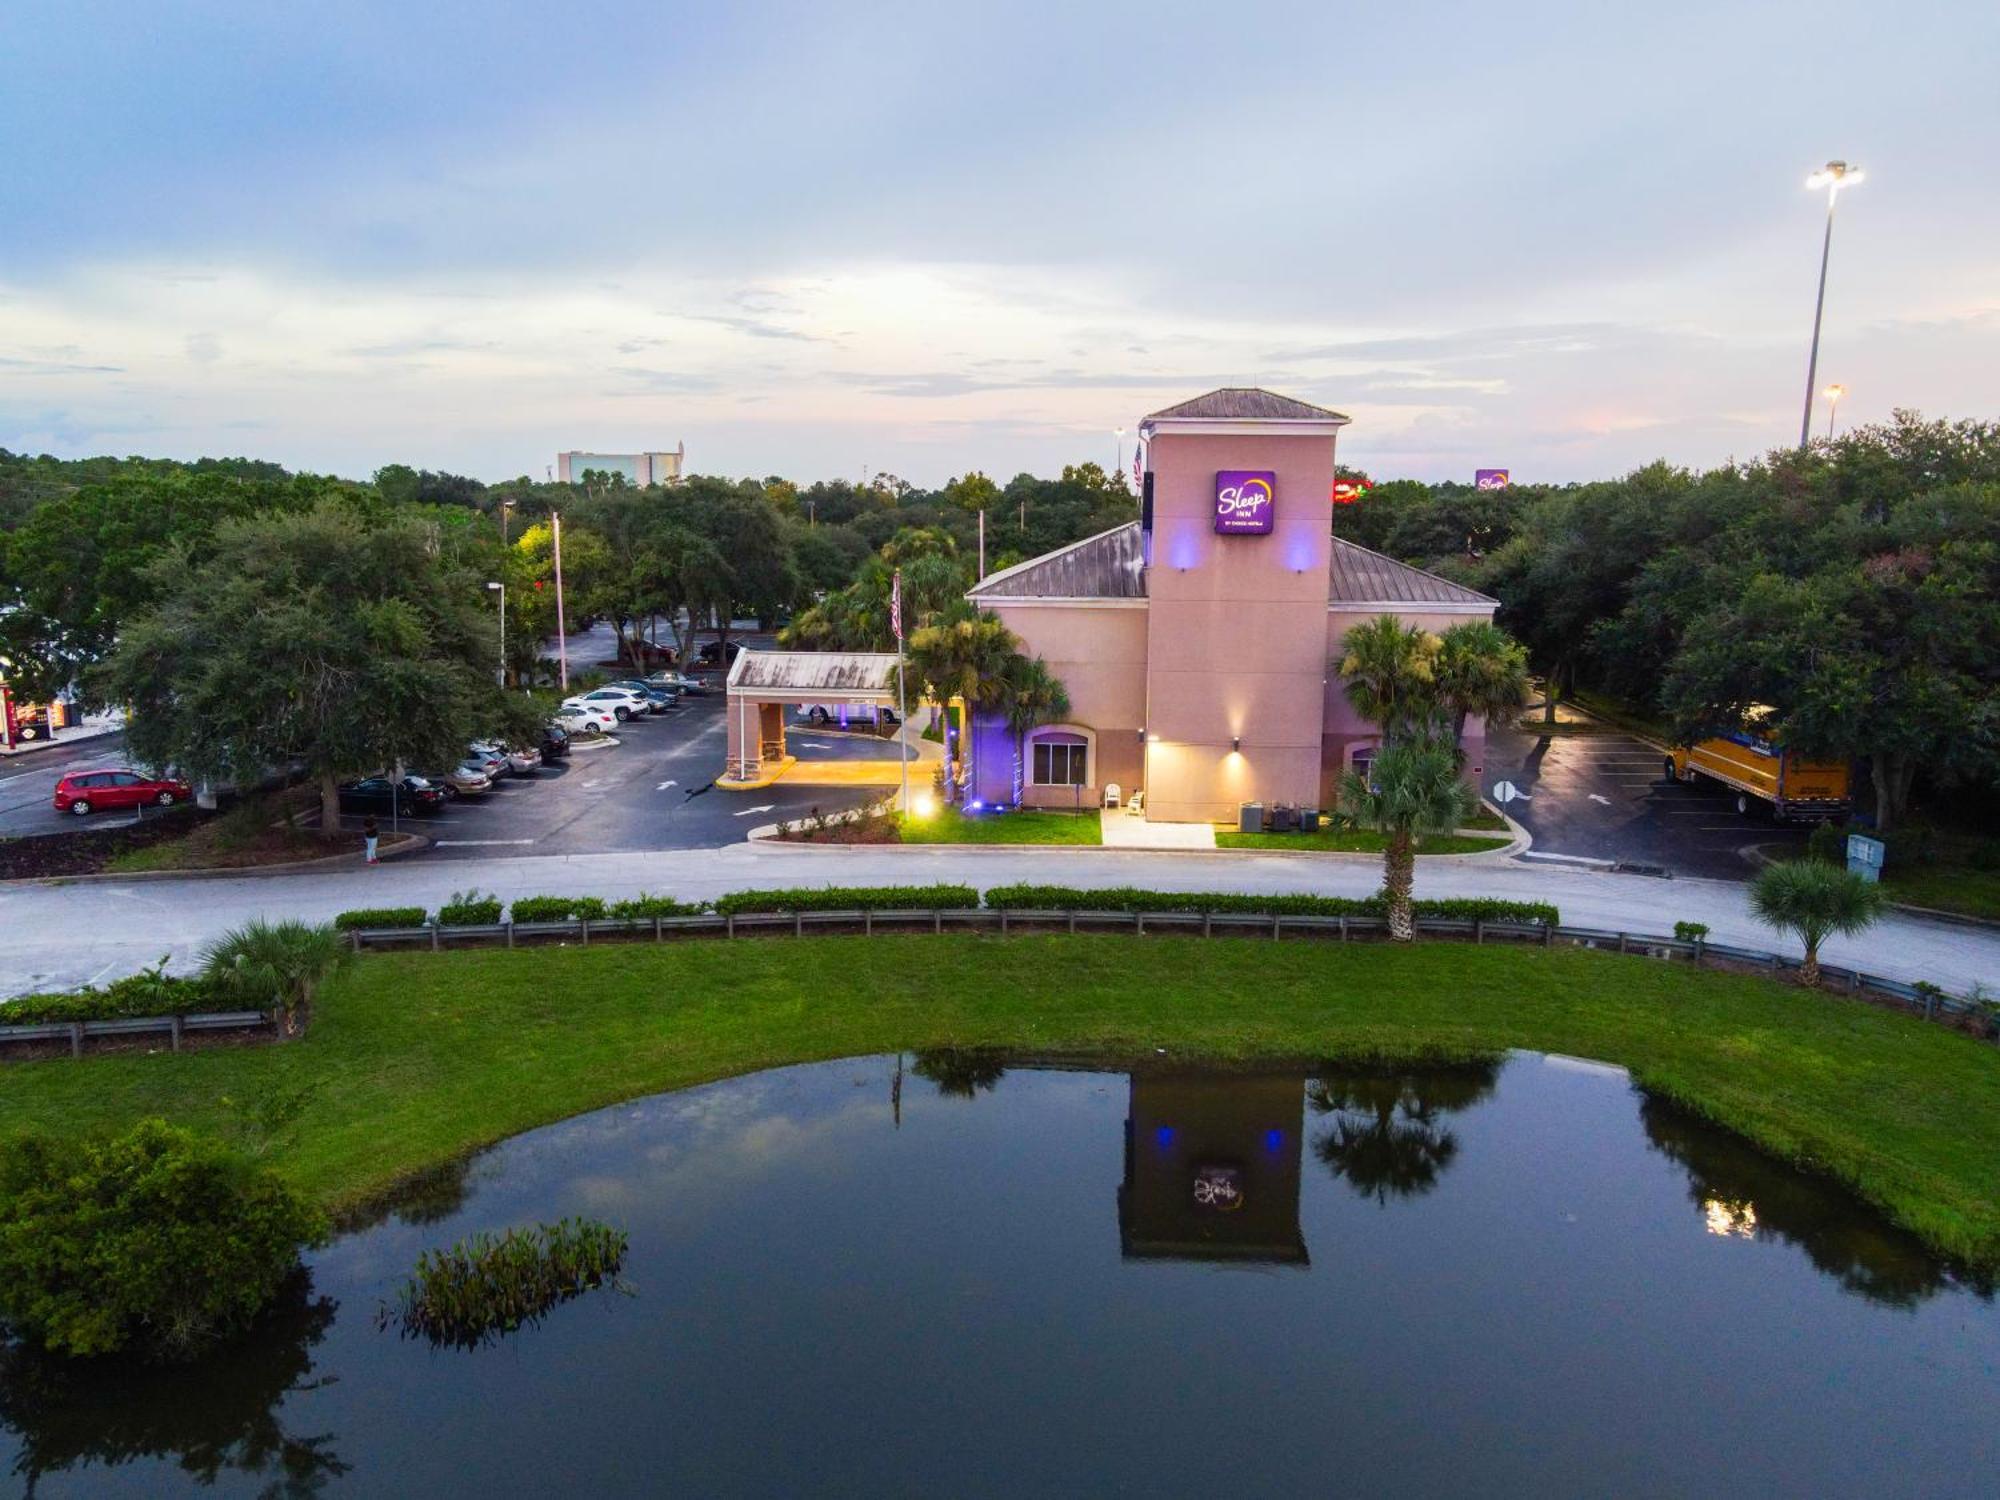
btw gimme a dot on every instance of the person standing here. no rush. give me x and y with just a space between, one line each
369 834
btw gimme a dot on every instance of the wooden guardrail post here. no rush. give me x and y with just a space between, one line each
1072 921
867 922
510 932
1003 921
1276 922
1478 930
729 925
1208 924
1343 927
354 940
1139 923
798 924
937 919
1700 950
1621 943
659 927
1548 934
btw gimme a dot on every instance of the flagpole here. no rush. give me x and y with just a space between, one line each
902 706
562 634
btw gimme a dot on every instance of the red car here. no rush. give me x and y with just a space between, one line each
83 792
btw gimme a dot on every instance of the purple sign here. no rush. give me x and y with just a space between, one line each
1245 502
1489 479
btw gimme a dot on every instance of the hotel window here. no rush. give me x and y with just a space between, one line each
1058 763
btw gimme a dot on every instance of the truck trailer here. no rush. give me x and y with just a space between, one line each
1797 787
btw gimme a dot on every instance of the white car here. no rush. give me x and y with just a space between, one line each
620 703
587 718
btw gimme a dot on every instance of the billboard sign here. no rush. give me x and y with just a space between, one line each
1347 491
1489 479
1245 502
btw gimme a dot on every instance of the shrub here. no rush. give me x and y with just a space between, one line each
1690 932
556 908
1814 901
1130 898
155 1240
643 906
381 916
491 1284
1827 841
151 992
280 964
469 909
850 898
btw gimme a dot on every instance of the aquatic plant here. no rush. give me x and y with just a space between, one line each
488 1285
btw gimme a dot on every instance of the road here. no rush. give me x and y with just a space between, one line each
1605 796
58 935
28 784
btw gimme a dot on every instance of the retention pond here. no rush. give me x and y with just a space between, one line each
965 1275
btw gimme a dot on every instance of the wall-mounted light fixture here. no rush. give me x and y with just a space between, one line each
1236 742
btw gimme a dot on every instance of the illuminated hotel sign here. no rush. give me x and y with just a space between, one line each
1245 502
1489 479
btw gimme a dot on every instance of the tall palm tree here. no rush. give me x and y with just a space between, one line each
1390 671
1031 695
276 964
1480 669
1413 788
1814 900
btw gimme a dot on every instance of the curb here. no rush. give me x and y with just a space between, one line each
759 838
410 843
603 742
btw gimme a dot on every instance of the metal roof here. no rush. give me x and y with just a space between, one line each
811 674
1359 576
1244 403
1105 566
1108 566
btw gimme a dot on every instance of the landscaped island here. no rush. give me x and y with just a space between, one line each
412 1059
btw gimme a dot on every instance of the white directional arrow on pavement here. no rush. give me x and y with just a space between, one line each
664 785
766 807
1594 797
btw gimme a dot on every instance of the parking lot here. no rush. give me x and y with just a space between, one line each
28 784
1604 796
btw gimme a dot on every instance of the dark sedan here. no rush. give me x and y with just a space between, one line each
379 794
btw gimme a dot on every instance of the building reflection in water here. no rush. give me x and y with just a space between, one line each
1212 1168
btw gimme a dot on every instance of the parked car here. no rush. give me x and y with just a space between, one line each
712 655
680 682
467 780
849 715
489 757
658 700
587 718
505 760
83 792
555 742
416 795
621 703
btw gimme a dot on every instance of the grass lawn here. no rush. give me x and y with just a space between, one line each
1947 880
950 826
413 1058
1354 841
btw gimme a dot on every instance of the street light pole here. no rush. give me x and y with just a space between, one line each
1833 394
1118 452
1833 177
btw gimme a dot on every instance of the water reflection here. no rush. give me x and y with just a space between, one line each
428 1197
68 1414
1744 1194
1385 1135
962 1072
1212 1168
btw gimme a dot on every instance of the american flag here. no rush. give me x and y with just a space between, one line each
1138 469
896 604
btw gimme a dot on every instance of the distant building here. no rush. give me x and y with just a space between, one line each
639 469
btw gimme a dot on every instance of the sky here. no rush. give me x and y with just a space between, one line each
823 241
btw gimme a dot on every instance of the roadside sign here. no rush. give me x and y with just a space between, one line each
1489 479
1505 792
1864 856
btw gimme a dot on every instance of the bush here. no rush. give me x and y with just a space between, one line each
491 1284
1828 841
156 1241
643 906
1690 932
850 898
381 916
1130 898
469 909
151 992
556 909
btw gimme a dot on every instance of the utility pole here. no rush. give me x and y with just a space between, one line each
562 631
982 544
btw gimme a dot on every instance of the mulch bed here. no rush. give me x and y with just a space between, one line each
878 831
87 850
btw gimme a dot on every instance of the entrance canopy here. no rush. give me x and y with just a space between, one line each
761 683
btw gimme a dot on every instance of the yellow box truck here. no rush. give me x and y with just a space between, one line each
1797 787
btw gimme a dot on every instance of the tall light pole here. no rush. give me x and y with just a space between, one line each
1833 394
1834 176
562 627
503 628
505 506
1118 450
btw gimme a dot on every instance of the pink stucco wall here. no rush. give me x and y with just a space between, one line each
1099 653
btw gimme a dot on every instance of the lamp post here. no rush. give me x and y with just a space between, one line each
1834 176
505 506
1833 393
1118 454
502 589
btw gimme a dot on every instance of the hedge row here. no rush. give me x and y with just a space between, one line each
381 916
470 909
1132 898
850 898
146 994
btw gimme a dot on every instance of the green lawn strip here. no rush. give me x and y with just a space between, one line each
950 826
1946 887
415 1058
1354 841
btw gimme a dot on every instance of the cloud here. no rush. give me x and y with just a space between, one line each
13 366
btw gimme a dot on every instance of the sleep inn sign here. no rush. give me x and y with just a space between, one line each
1246 502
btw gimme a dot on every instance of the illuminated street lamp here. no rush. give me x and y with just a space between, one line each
1834 176
1833 393
1118 446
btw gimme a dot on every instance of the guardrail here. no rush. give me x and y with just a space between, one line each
76 1033
1932 1004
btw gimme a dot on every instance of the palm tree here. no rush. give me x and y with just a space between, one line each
1031 695
963 659
1480 670
1413 788
1391 674
1387 1135
1814 900
276 964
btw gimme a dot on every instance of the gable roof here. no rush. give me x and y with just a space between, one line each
1244 403
1109 566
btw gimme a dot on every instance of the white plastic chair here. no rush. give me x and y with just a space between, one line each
1111 794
